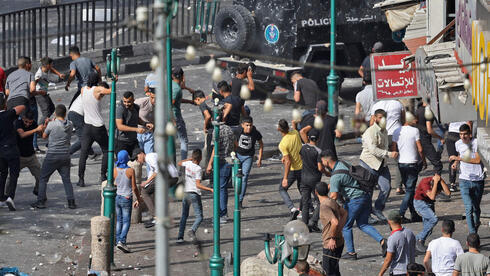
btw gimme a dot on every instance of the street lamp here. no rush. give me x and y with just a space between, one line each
216 262
333 78
237 185
113 62
296 237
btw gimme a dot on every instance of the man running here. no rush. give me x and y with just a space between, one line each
81 68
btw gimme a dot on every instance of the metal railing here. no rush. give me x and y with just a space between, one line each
91 25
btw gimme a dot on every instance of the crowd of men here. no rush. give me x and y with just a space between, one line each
308 153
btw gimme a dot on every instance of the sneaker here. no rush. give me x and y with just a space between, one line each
180 240
372 220
379 215
71 204
400 191
294 213
349 256
124 248
300 215
39 204
405 220
453 187
384 247
81 183
10 204
150 223
39 151
420 247
192 235
223 220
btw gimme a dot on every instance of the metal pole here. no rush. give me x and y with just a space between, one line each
162 264
237 216
110 190
332 79
168 40
216 262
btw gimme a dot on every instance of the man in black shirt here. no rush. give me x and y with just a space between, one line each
306 92
9 153
326 139
365 68
311 174
233 107
245 149
426 134
127 119
26 128
244 71
200 100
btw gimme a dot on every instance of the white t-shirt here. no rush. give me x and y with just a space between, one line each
151 160
468 171
393 110
365 98
454 127
444 252
77 105
193 172
406 138
43 79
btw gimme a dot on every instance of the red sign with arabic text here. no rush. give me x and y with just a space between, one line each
391 77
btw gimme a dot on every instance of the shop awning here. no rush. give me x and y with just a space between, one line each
395 4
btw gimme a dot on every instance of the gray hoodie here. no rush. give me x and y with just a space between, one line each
59 138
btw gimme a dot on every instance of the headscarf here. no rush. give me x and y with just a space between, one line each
122 159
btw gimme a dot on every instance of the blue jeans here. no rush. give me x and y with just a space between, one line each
292 176
358 211
182 135
146 142
123 213
224 180
246 162
471 193
384 183
195 200
429 218
409 174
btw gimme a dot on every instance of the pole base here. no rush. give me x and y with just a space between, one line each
216 264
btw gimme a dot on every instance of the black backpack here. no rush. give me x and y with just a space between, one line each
364 178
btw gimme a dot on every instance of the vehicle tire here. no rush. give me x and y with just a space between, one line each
234 28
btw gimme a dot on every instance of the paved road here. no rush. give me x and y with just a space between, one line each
56 240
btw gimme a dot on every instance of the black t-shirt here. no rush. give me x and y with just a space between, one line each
130 117
327 133
310 93
8 136
26 148
236 86
421 122
310 156
203 107
366 64
233 118
246 142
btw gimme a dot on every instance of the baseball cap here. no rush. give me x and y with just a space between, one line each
177 72
313 134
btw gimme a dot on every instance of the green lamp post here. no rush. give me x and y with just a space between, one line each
237 185
109 192
333 78
296 235
168 41
216 262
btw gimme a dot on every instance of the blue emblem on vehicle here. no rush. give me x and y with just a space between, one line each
271 33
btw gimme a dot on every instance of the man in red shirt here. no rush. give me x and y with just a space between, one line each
424 199
3 78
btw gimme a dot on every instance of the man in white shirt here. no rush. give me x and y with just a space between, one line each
443 251
407 140
373 157
451 139
471 176
395 115
364 100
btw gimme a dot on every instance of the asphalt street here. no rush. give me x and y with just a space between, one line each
56 240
